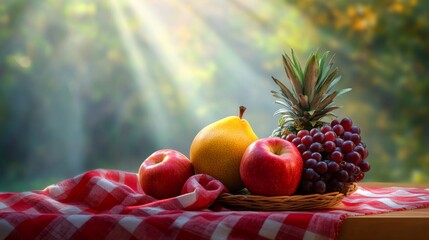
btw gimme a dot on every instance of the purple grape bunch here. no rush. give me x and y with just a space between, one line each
333 156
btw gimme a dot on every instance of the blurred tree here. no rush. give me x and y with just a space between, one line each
383 49
58 100
72 96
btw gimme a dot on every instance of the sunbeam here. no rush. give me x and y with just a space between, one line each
172 31
162 39
144 81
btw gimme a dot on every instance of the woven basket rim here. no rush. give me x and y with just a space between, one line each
284 203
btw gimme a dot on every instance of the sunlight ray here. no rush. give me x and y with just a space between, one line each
162 40
163 25
142 79
162 43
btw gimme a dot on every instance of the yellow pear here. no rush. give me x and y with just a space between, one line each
217 149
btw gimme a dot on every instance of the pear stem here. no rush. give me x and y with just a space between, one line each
242 110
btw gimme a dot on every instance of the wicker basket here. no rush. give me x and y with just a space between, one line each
285 203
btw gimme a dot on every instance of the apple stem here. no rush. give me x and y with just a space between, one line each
242 110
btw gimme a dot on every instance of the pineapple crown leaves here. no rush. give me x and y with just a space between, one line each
311 94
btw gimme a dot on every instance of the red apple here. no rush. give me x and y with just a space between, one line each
271 167
163 174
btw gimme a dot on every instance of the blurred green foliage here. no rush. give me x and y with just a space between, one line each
103 84
387 53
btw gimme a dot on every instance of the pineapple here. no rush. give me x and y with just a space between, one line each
333 154
310 97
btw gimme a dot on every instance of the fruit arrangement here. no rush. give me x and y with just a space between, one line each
306 154
333 153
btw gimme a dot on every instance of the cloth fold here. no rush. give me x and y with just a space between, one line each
109 204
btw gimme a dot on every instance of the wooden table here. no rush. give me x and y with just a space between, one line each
410 224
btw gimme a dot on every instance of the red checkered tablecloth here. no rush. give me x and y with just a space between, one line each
109 204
